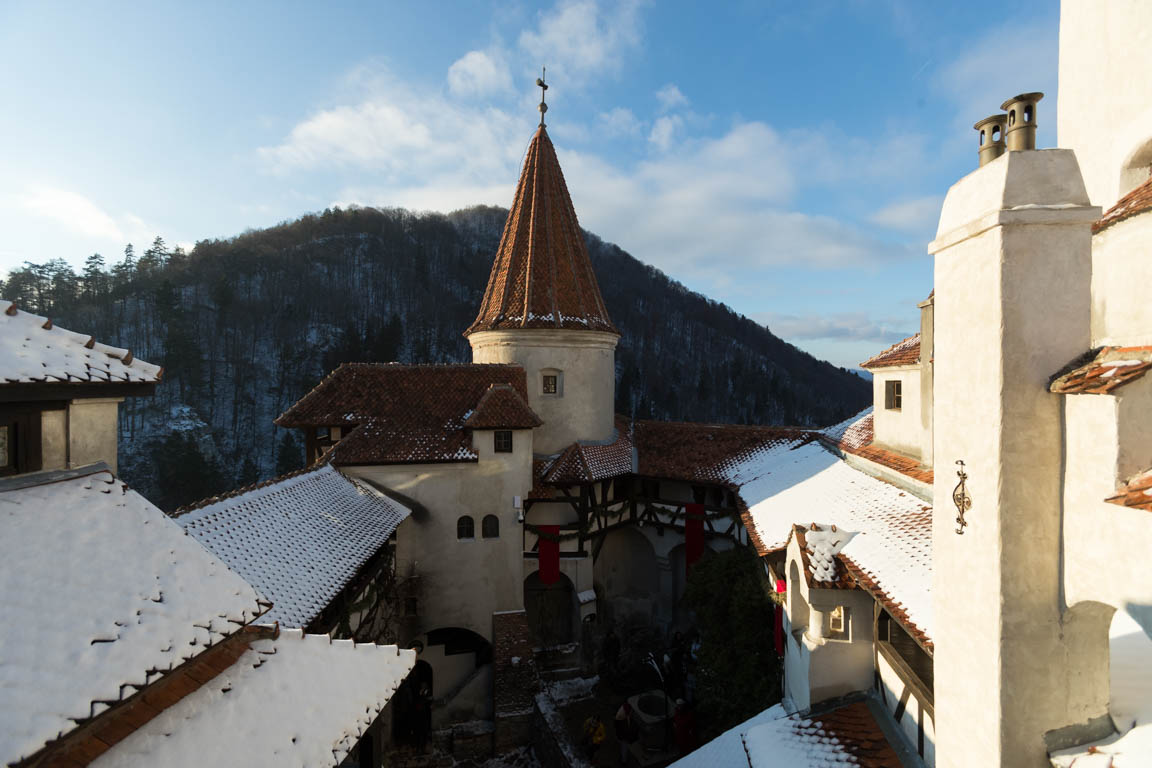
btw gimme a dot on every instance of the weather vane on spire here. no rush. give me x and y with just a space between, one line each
543 87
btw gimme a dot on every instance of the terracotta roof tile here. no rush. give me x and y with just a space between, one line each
502 407
1137 492
846 735
1136 201
542 276
589 462
1107 370
905 352
705 453
32 349
403 413
857 440
842 578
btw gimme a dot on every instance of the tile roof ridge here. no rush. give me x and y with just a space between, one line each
1137 201
879 360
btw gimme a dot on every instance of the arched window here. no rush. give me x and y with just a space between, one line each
490 527
465 528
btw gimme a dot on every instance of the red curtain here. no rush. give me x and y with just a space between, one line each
693 534
549 552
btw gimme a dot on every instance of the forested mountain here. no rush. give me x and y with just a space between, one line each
245 326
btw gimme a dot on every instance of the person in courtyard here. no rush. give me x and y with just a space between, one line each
592 737
626 730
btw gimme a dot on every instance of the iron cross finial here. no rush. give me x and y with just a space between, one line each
543 87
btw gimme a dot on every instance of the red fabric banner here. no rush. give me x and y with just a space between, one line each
779 630
693 534
549 552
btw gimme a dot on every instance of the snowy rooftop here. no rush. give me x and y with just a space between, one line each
300 539
1130 661
847 735
891 552
299 700
100 592
32 349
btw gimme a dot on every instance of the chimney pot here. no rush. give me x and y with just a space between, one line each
1020 133
991 130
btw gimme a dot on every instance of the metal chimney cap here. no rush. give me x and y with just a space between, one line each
1000 118
1024 97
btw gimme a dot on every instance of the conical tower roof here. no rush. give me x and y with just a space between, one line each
542 277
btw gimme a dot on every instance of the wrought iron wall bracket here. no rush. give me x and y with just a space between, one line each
961 498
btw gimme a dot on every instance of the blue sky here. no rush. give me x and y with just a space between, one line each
787 158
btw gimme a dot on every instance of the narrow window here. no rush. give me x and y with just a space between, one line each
502 441
490 527
465 528
838 623
549 384
892 396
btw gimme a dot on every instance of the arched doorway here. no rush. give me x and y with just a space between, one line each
551 609
627 571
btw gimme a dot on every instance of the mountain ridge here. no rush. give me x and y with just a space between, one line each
244 326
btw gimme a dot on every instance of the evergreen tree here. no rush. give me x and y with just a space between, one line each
94 279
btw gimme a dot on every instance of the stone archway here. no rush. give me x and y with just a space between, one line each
551 609
628 574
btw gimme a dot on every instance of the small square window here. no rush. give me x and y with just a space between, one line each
892 395
838 623
550 384
502 441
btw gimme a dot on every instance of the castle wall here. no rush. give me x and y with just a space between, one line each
583 408
1104 112
900 429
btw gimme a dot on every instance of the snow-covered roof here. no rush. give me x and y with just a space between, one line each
101 593
299 700
891 553
300 539
32 349
847 735
727 749
1130 703
906 352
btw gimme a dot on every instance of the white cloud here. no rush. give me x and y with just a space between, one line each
1016 57
670 97
578 39
918 215
664 131
857 326
619 122
477 74
73 211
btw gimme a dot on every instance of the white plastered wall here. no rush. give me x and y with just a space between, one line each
462 581
1012 304
1121 274
83 432
900 430
1105 112
584 406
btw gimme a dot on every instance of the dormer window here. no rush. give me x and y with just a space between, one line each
502 441
892 395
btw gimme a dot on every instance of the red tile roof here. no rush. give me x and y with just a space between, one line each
705 453
502 407
1136 201
857 440
1137 492
846 735
404 413
1109 369
842 580
542 276
586 463
905 352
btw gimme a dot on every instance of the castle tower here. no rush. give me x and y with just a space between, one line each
1012 306
542 309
